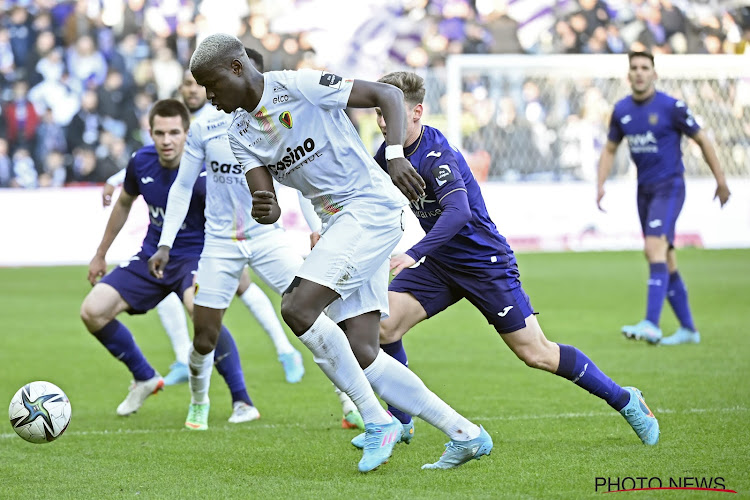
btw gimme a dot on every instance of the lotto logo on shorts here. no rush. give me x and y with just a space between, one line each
195 288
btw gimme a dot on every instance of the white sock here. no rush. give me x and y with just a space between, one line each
172 316
201 366
261 307
347 405
332 353
402 388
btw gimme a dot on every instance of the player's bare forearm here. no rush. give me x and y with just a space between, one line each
606 161
117 219
389 99
265 209
709 154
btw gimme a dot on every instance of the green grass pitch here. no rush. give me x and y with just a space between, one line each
552 439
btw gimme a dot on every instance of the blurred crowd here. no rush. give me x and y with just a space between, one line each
77 78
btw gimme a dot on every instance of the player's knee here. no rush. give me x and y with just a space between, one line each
298 317
390 332
92 316
204 342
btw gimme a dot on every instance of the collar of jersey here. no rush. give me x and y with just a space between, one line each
416 144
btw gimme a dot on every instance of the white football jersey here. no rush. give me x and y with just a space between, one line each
300 133
228 199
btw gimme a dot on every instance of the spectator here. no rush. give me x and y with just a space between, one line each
24 171
6 168
21 119
53 169
86 63
50 137
86 125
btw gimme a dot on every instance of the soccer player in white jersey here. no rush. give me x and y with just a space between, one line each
233 239
170 309
291 126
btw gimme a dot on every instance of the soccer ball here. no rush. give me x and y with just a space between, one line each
39 412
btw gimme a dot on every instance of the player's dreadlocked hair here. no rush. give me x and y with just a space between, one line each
214 49
411 84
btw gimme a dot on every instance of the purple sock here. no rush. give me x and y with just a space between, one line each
120 343
396 351
579 369
227 361
678 299
658 281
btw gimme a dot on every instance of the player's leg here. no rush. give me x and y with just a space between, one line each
119 291
172 316
533 348
260 306
216 280
658 208
678 299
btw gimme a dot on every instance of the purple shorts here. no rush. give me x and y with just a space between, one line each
659 205
142 291
496 292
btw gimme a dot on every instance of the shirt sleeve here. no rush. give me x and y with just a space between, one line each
247 160
684 120
130 183
456 212
118 178
323 89
615 132
178 200
194 146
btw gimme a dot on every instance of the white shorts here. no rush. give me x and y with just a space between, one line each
222 260
352 258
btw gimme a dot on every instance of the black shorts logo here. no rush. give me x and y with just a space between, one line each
330 80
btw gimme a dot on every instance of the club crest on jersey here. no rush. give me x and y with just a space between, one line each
442 174
330 80
286 119
653 118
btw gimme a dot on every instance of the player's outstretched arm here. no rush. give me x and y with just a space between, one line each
117 219
606 161
266 209
709 154
390 100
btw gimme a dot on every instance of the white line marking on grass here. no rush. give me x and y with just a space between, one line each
589 414
259 426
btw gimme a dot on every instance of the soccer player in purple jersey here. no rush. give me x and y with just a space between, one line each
130 287
462 255
654 124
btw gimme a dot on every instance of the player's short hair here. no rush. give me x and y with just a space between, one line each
411 84
640 53
169 108
213 50
256 57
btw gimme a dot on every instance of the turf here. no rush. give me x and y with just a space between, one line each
552 439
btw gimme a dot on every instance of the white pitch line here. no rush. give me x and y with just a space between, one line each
505 418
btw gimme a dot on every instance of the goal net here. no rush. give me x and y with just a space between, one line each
545 118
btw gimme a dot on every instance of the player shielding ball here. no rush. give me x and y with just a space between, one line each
291 126
654 124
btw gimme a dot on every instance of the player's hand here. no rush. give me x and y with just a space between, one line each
314 238
107 192
722 193
264 205
158 262
406 178
97 269
400 262
599 196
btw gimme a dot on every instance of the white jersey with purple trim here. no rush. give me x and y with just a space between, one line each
300 133
228 200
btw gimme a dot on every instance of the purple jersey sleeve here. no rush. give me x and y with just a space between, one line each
684 120
130 185
615 132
